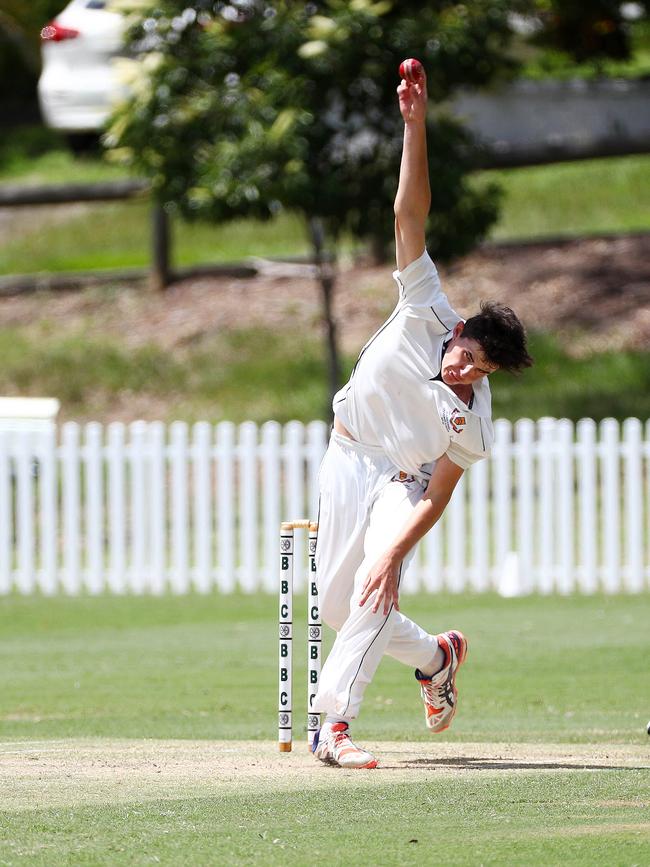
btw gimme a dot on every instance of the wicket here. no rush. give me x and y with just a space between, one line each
285 634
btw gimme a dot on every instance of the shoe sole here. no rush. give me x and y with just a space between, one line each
367 767
329 760
334 764
460 649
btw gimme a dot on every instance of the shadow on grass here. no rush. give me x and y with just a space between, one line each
475 763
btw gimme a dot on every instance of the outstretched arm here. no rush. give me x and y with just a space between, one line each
413 197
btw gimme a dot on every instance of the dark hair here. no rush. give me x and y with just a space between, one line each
501 335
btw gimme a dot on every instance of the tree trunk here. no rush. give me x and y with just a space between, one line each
160 275
326 279
379 249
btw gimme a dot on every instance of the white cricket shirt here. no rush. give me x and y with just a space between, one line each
393 399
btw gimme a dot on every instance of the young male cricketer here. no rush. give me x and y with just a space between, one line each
414 415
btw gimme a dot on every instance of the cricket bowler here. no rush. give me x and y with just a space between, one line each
414 415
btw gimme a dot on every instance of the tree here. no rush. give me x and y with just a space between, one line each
593 31
246 107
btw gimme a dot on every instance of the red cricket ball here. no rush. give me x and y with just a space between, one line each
411 70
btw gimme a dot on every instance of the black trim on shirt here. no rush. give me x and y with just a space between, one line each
390 319
446 327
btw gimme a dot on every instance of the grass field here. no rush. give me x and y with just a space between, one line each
138 731
583 198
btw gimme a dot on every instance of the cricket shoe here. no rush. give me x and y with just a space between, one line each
439 692
333 744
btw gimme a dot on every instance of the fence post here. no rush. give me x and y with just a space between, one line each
502 493
160 269
633 504
565 505
116 508
70 491
226 500
271 437
248 535
94 525
179 506
48 507
587 498
158 507
480 515
139 505
25 514
202 505
456 526
6 518
610 498
525 487
547 506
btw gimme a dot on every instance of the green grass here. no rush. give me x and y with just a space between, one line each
525 819
37 155
118 235
567 670
581 198
541 669
242 374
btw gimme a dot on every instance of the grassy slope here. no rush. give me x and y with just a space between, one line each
540 669
582 198
117 235
243 374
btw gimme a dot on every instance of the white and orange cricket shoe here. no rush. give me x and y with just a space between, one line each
333 744
439 692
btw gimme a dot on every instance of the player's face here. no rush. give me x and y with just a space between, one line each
464 362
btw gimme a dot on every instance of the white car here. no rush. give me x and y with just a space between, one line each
78 86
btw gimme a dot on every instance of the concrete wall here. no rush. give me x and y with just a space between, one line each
530 122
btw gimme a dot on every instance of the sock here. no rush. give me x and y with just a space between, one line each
332 719
437 661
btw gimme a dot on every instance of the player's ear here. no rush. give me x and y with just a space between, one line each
458 329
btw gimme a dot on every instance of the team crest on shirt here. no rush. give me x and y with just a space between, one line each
457 420
453 420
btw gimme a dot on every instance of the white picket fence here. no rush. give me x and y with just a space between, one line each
147 508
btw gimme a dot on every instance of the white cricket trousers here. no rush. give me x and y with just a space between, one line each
363 506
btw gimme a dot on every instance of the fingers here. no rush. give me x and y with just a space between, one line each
389 600
412 97
387 597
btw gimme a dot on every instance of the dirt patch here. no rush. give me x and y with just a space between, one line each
594 292
41 774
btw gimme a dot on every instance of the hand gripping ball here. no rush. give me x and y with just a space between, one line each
411 70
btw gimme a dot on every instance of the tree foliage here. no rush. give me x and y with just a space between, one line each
245 107
593 31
